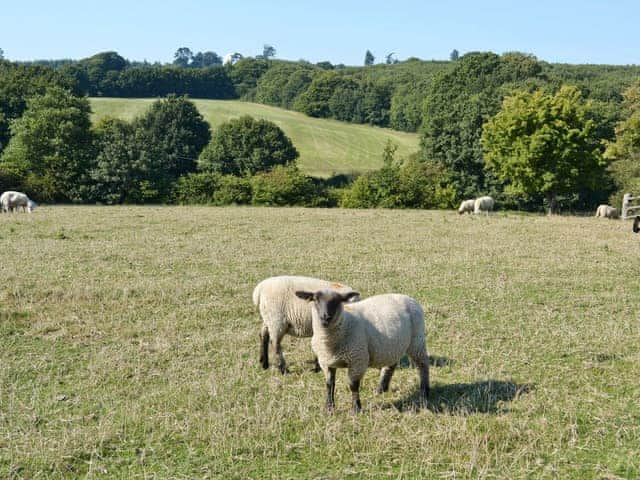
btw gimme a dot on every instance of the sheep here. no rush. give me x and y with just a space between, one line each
467 206
11 200
283 313
375 332
605 211
636 224
483 204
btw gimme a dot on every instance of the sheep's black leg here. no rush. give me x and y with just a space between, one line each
385 377
354 386
316 364
331 388
264 347
423 366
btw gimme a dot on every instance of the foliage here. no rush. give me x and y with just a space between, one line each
17 84
245 75
314 101
121 171
51 146
174 133
369 59
282 83
245 146
286 185
543 143
624 152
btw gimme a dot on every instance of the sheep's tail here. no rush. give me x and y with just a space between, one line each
256 294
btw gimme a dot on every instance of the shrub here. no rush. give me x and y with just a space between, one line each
286 185
213 189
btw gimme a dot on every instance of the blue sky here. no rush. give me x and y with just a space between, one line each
571 31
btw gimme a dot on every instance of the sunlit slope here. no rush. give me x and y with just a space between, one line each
325 146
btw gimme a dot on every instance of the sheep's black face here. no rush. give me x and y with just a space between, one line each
327 303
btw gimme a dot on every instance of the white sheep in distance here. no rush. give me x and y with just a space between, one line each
11 200
283 313
483 204
375 332
467 206
606 211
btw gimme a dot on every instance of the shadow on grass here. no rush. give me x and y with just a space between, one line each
434 361
466 398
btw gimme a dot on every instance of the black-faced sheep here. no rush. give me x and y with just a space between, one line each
375 332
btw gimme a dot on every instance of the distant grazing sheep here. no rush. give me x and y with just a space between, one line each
282 312
483 204
636 224
375 332
466 206
606 211
11 201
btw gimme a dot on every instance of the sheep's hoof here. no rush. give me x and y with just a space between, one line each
284 369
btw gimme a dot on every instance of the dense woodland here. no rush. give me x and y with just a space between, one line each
576 128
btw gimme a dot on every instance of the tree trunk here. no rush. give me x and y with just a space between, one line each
554 206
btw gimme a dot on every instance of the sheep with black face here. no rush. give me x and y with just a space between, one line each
375 332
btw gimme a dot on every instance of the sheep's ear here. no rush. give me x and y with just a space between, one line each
308 296
349 296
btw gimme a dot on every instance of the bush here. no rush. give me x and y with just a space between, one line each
286 185
213 189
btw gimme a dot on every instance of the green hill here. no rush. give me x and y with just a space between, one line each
325 146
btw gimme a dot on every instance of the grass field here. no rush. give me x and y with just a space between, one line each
326 146
129 346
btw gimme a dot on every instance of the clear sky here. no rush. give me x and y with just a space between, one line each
573 31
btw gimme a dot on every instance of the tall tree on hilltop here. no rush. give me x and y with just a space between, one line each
369 58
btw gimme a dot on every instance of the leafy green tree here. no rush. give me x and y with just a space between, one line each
51 146
268 52
624 152
369 59
174 133
390 59
121 170
17 84
458 103
544 143
454 55
283 185
314 101
1 54
182 57
245 75
245 146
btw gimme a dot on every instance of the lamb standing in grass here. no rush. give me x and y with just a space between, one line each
11 200
375 332
282 312
467 206
483 204
605 211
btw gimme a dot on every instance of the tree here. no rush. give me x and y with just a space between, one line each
389 59
182 57
245 146
314 101
458 103
268 51
121 170
454 55
624 152
369 58
544 143
173 133
51 146
1 54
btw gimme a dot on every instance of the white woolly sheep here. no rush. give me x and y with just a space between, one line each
282 312
11 200
606 211
483 204
375 332
466 206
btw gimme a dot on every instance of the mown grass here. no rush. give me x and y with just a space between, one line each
326 146
129 345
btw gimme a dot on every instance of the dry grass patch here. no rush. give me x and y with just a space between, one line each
130 345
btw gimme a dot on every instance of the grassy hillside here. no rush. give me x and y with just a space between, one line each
130 346
325 146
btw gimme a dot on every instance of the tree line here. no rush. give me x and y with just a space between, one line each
483 118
